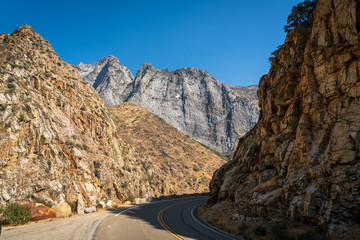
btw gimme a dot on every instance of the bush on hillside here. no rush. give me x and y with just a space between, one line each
299 14
17 214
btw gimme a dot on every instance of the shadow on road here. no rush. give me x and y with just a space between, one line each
178 217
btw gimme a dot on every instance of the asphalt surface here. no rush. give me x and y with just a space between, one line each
169 219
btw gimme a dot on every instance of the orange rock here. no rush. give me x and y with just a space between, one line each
40 211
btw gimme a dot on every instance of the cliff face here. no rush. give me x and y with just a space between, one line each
190 99
59 142
301 160
110 79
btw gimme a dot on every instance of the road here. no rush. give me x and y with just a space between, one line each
168 219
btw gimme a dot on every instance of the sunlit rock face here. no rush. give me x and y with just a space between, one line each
301 160
190 99
58 141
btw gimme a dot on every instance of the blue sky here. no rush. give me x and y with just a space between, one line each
231 39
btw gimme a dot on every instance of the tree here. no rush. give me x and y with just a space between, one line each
275 53
299 14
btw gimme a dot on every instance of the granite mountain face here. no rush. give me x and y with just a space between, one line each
300 163
60 143
190 99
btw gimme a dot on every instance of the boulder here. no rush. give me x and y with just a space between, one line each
109 204
40 211
62 210
100 205
90 209
80 205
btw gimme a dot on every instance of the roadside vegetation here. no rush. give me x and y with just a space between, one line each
16 214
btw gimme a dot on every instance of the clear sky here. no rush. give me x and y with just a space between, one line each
231 39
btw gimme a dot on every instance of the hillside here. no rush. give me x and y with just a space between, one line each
300 163
60 143
186 164
190 99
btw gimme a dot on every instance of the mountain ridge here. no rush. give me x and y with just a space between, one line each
190 99
59 142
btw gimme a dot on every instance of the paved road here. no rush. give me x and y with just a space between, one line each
73 228
168 219
171 219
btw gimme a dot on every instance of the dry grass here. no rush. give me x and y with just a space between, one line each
186 162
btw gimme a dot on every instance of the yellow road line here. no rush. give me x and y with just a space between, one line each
163 224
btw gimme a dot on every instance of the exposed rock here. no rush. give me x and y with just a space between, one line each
101 205
62 210
190 99
90 209
40 211
301 160
109 204
60 143
80 205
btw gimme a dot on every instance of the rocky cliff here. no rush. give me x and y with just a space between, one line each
301 160
58 142
190 99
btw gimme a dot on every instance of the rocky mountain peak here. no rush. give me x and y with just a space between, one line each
109 58
190 99
24 31
146 68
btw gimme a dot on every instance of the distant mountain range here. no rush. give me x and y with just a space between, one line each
190 99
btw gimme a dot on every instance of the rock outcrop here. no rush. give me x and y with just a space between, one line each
58 142
301 160
190 99
61 210
40 211
111 80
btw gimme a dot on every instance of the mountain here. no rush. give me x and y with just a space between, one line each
300 163
59 142
186 165
108 77
190 99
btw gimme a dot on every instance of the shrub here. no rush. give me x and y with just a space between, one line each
83 108
73 206
11 86
48 204
97 164
243 229
108 191
196 169
124 185
70 143
22 118
280 232
275 53
255 148
97 173
82 147
17 214
260 231
293 124
3 108
299 14
130 198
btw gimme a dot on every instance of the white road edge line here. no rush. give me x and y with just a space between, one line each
94 229
210 228
125 210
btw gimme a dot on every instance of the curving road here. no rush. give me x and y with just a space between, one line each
169 219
